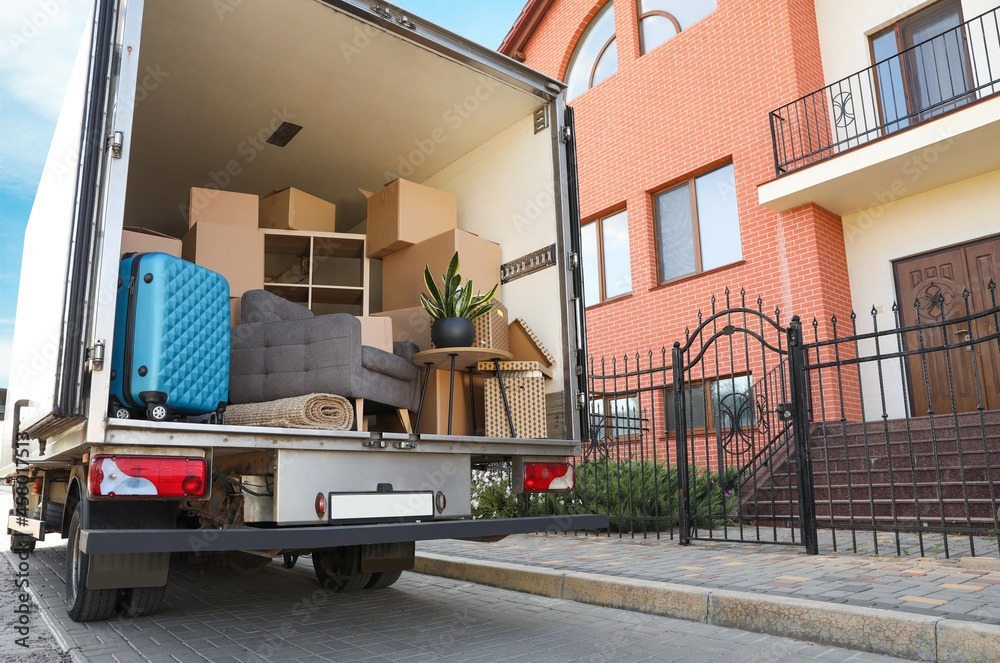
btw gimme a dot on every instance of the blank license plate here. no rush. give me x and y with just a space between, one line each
380 507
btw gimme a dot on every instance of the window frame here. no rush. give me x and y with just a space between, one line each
601 280
607 6
654 12
902 29
632 434
710 428
689 180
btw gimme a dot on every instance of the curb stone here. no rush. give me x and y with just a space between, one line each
980 564
886 632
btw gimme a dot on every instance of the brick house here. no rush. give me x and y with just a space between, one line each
719 146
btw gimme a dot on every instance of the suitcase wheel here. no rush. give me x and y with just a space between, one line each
118 411
157 412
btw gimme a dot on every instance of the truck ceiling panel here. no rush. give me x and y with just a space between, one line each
373 106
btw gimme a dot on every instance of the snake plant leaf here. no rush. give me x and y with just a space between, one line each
464 300
432 289
431 307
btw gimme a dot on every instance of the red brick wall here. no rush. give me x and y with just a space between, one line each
702 98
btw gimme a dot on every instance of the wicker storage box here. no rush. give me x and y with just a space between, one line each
524 382
492 328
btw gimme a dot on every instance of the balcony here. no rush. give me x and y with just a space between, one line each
865 134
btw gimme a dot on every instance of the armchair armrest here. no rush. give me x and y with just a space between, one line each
405 349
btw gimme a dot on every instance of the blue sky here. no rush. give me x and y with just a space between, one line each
38 41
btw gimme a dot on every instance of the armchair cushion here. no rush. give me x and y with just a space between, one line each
301 354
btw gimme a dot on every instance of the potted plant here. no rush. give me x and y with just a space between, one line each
454 307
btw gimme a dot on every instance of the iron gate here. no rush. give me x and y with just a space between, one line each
749 431
740 410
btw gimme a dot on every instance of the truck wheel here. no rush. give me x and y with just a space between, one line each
141 601
383 579
84 605
327 568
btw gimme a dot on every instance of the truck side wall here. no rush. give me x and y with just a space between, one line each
42 291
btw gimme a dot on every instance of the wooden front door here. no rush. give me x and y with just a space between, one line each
930 287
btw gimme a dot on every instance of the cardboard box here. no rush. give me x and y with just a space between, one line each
434 419
235 316
376 332
227 208
492 328
292 209
236 253
526 396
526 346
410 324
143 240
403 271
404 213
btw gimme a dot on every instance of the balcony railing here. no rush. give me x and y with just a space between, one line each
944 73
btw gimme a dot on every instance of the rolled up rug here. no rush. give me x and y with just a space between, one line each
319 411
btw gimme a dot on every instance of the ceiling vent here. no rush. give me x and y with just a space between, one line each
284 134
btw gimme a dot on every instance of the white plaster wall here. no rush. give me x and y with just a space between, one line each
845 25
505 191
938 218
844 30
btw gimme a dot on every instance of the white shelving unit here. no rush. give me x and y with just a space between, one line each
325 271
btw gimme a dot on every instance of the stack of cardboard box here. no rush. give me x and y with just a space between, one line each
411 226
222 236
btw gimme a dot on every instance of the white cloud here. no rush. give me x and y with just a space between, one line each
39 40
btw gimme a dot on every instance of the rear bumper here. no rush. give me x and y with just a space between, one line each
307 538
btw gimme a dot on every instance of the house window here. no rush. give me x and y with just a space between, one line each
659 20
615 418
698 225
714 405
921 66
607 269
596 56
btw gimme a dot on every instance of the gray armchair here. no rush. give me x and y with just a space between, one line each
282 350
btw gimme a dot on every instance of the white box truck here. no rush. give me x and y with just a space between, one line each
172 94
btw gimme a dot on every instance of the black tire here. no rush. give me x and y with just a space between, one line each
157 412
121 412
82 604
327 572
141 601
383 579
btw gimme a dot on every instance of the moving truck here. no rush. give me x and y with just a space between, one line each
167 95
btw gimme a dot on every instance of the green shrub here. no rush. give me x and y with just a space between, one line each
638 496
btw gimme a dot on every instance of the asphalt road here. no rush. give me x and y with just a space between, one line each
214 614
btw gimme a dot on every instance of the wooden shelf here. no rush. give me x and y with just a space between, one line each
326 271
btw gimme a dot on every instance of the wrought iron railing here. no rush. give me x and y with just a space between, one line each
931 78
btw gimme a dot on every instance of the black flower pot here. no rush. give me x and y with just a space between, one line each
453 333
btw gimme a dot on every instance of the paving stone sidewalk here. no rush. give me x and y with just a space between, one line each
927 586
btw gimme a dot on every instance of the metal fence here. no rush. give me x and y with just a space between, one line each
933 77
867 432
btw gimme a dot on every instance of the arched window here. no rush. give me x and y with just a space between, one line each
596 55
659 20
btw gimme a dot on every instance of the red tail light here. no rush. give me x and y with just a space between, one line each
148 476
548 477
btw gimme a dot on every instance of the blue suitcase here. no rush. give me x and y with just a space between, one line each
171 346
